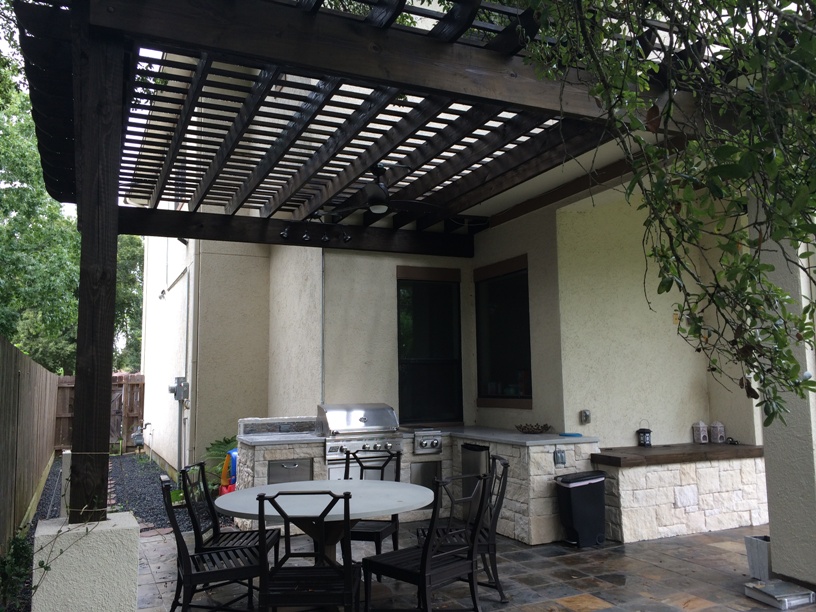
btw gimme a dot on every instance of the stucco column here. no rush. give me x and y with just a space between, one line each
790 462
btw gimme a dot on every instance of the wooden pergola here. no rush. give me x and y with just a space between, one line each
266 121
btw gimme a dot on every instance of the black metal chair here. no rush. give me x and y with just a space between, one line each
486 543
207 570
204 517
437 562
374 463
323 582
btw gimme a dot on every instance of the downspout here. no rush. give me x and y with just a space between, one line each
322 325
192 327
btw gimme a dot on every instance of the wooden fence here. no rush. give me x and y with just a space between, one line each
127 410
28 394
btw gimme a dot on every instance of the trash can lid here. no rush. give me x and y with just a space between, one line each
579 479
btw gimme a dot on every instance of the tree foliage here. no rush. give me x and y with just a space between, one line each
722 185
40 246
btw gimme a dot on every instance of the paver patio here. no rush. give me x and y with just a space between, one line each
697 572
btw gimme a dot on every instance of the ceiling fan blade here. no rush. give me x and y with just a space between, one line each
419 207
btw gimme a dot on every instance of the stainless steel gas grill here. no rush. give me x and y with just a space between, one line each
356 427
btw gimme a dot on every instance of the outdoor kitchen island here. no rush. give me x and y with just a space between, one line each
679 489
273 448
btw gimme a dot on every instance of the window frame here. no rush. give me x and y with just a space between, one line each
486 273
439 275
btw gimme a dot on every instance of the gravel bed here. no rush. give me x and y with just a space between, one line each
136 489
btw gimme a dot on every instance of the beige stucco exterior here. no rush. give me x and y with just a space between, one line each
272 331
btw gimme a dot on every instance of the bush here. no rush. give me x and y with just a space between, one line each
15 571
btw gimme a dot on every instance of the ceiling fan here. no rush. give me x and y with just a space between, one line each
377 199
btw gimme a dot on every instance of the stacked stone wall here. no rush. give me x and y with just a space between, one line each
659 501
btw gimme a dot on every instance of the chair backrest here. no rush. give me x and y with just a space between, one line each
446 526
499 469
374 462
199 504
321 503
182 553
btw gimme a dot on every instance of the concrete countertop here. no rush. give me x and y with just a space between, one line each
510 436
486 434
271 439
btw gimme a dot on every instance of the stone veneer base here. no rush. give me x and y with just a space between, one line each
657 501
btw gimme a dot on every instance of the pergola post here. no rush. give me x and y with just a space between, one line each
98 97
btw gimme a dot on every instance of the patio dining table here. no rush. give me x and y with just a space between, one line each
369 498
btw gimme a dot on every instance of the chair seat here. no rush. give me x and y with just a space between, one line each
310 585
232 539
238 563
370 531
404 565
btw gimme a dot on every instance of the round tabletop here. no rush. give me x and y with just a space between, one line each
369 498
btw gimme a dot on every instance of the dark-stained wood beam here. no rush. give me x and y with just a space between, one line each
589 184
536 156
456 21
442 141
384 13
376 102
316 101
514 37
98 111
185 116
592 183
260 88
490 143
424 112
333 44
239 228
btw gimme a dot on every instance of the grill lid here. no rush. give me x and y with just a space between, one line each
343 419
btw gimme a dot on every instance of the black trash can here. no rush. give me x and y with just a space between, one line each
582 508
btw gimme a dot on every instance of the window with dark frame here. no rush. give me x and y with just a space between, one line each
429 344
503 335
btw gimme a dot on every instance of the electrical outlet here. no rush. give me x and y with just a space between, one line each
584 416
560 457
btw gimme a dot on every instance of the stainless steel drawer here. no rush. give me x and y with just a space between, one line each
289 470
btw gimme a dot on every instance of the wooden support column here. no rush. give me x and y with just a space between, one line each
98 66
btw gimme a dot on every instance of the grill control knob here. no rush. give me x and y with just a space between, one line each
343 449
366 447
424 444
434 443
377 446
388 446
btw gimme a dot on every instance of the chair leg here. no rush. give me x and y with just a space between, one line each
250 602
495 570
424 597
378 551
367 583
474 590
187 597
395 539
178 593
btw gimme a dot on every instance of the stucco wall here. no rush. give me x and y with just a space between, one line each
295 330
164 339
622 359
361 361
534 234
230 358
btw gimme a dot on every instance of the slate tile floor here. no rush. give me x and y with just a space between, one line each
689 573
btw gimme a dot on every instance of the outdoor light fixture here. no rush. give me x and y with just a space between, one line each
324 238
306 236
346 237
378 209
285 233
